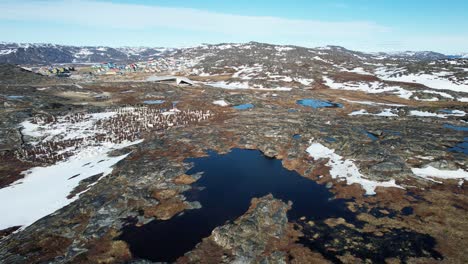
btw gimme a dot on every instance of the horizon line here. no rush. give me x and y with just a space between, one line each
221 43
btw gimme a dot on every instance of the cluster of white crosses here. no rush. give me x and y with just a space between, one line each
62 137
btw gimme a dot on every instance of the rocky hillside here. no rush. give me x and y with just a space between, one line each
423 76
20 53
50 53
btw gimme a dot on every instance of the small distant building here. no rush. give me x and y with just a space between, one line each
177 79
64 74
101 97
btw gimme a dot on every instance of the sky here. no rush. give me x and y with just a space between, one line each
365 25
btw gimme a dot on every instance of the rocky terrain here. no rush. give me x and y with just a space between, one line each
384 135
44 54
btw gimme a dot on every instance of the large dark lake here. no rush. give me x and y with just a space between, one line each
228 184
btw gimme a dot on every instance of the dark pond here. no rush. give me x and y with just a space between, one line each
228 184
315 103
457 128
371 136
407 210
461 147
296 136
243 106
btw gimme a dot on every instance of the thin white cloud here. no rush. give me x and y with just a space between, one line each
140 17
85 22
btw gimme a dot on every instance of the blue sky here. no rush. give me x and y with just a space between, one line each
367 25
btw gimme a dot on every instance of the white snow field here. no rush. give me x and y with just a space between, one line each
44 190
368 87
430 172
436 81
345 169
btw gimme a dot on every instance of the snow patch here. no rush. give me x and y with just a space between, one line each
320 59
304 81
284 48
245 85
430 172
430 114
221 103
44 190
371 103
7 51
345 169
368 87
436 80
358 70
384 113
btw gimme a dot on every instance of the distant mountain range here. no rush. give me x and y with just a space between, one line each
49 53
18 53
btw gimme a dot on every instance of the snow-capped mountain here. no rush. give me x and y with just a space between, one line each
20 53
50 53
415 55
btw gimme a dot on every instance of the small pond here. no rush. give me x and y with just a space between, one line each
461 147
151 102
371 136
15 97
243 106
315 103
457 128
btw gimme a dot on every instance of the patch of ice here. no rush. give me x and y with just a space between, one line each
358 70
284 48
220 103
435 81
320 59
430 172
387 112
44 190
304 81
231 85
7 51
372 103
368 87
433 99
324 48
345 169
384 113
245 85
83 53
247 73
359 112
223 47
430 114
